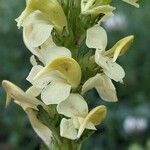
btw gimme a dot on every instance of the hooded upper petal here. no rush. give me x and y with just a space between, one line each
89 125
51 8
95 116
120 47
17 94
68 68
132 2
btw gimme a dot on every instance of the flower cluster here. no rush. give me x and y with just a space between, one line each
63 70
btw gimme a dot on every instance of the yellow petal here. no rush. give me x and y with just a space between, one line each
19 95
132 2
51 8
68 67
89 125
42 131
120 47
95 116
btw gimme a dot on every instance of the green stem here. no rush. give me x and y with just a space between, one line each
66 145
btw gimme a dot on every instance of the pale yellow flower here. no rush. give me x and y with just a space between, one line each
97 38
75 107
95 116
38 39
29 103
38 21
56 79
17 94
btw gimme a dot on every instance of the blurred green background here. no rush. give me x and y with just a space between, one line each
127 126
